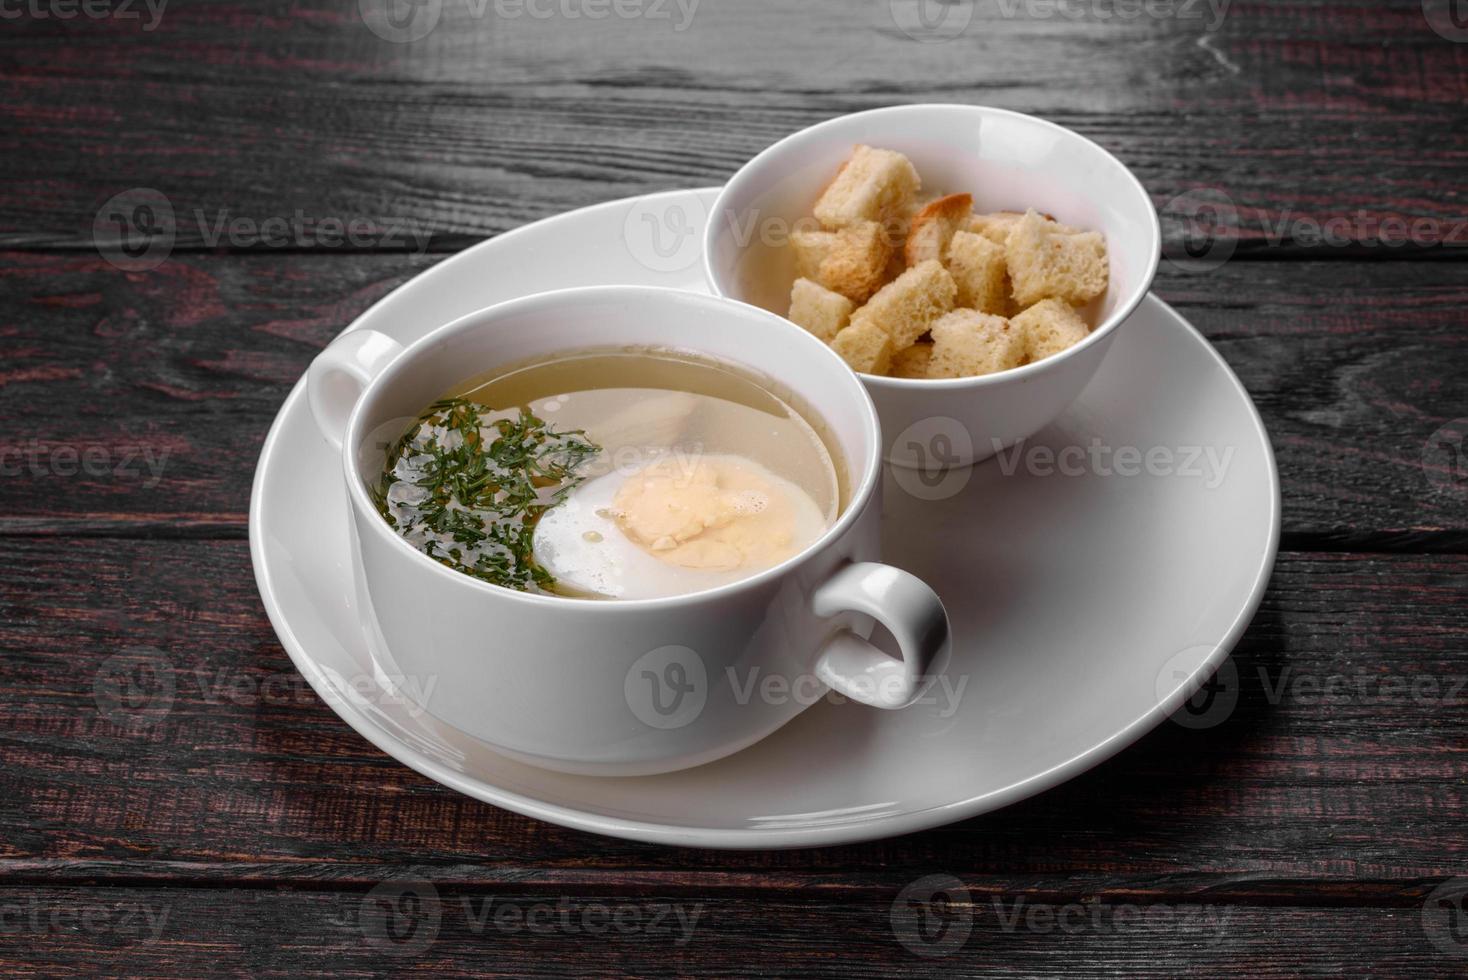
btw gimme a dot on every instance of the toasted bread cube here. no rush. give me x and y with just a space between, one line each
981 272
933 227
966 342
865 346
1049 327
908 305
1049 260
995 226
811 248
852 261
873 185
913 362
818 309
857 267
898 225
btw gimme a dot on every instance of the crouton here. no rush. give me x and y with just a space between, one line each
1049 260
852 261
908 305
934 225
981 273
913 362
1049 327
995 225
818 309
811 248
966 342
897 227
865 346
873 185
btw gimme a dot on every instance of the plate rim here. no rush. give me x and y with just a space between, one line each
746 838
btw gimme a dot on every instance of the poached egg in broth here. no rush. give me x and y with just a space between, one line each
704 475
681 524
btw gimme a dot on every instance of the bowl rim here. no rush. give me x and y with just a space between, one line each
746 173
865 471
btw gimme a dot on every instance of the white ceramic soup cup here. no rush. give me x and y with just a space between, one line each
1008 161
626 687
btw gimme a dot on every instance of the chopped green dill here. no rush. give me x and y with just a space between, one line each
467 488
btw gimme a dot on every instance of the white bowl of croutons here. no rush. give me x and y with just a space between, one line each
971 264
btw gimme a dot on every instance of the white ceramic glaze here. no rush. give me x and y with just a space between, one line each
1007 161
1084 608
625 687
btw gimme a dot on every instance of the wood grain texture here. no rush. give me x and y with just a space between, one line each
1291 111
137 402
189 932
242 775
247 830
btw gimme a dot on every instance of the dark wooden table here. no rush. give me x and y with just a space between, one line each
1321 830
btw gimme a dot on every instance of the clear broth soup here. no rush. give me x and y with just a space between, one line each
612 474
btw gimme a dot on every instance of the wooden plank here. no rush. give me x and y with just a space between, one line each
1353 682
1295 113
421 928
137 402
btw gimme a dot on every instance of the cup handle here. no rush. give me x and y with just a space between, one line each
902 603
338 375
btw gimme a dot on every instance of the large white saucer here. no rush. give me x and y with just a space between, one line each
1085 607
